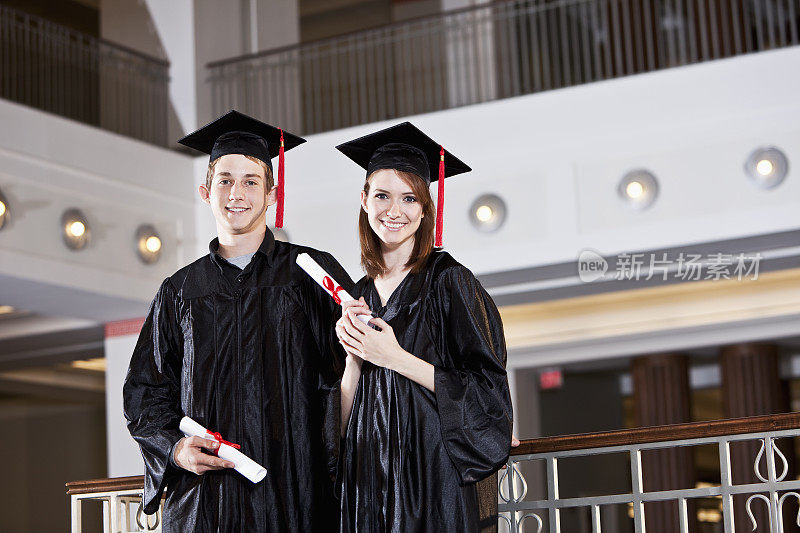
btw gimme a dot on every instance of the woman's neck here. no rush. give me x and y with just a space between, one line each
396 258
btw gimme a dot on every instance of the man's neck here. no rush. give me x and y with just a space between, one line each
241 244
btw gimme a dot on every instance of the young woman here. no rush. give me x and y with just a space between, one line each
426 411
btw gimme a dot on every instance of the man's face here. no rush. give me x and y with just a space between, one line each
238 195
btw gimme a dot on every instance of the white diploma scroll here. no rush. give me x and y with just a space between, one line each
243 464
327 282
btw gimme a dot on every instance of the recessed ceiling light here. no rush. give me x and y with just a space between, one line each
488 212
767 167
75 228
638 189
5 213
148 244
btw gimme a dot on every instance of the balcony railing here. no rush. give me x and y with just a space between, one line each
490 51
762 504
62 71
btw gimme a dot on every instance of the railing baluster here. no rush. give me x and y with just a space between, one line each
512 496
772 478
725 486
552 494
683 515
596 525
637 490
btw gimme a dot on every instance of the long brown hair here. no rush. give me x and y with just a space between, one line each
371 255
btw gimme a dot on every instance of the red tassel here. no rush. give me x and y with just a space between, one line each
440 201
279 209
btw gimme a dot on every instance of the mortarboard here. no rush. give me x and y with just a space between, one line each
406 148
237 133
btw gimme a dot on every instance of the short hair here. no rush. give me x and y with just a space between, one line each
267 172
371 255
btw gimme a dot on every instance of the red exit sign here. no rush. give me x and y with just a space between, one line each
551 379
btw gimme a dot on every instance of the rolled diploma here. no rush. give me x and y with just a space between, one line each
243 464
313 269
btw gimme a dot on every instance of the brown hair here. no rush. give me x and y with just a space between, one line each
267 172
371 255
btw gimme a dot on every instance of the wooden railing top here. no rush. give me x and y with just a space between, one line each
625 437
645 435
105 485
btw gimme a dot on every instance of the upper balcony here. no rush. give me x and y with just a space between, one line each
487 52
456 58
57 69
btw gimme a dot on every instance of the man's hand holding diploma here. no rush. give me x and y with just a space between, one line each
189 455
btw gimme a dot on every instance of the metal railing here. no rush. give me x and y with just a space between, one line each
491 51
122 504
62 71
521 511
769 464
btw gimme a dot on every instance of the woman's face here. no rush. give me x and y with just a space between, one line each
393 210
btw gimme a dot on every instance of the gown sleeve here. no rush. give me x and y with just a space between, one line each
151 393
324 315
472 395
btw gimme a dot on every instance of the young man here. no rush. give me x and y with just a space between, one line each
242 341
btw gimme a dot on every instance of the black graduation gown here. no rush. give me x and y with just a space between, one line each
253 356
411 457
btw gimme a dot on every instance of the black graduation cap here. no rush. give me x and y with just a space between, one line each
405 147
402 147
237 133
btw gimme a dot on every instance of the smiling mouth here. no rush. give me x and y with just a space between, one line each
236 209
393 226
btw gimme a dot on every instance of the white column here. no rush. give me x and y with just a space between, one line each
124 457
174 23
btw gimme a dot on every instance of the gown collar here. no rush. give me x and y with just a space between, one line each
265 249
406 293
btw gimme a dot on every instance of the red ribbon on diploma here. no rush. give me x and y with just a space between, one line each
218 437
328 284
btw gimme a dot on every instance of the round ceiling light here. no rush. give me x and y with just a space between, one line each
148 244
767 167
75 228
4 211
488 212
638 189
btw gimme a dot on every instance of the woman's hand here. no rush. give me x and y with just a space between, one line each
378 347
382 349
358 307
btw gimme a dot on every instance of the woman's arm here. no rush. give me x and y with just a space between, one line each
352 373
352 369
380 347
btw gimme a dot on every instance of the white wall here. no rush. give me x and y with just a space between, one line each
49 164
556 159
124 456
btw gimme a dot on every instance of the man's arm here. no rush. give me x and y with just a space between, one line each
151 394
